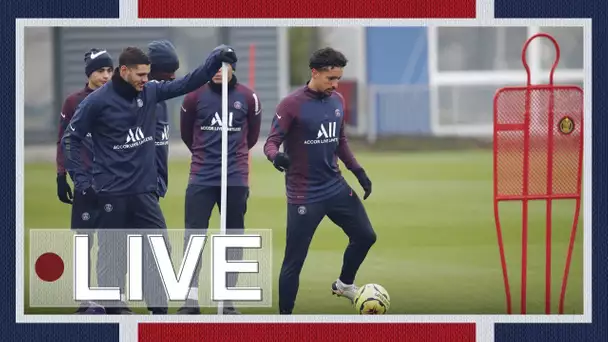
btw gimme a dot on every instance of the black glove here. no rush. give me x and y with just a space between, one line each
219 55
89 195
227 55
281 162
64 192
365 182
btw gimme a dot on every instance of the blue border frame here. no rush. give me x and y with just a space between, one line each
13 9
503 9
576 332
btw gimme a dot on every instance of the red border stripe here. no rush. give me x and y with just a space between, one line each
307 9
280 332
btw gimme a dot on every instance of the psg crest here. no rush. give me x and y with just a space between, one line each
566 125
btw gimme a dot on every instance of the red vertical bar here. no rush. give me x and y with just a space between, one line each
562 295
549 190
550 149
252 66
501 248
577 210
524 237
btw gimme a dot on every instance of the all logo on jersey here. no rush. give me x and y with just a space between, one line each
164 137
327 134
330 132
135 137
216 123
165 133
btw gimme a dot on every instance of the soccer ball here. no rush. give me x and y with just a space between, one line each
372 299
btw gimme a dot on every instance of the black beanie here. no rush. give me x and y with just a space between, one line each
96 59
163 57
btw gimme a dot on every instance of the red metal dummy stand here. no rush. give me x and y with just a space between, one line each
534 123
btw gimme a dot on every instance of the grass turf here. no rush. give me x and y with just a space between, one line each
436 251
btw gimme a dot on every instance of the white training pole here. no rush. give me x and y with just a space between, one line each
224 183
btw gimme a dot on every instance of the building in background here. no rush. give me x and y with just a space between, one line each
440 81
401 81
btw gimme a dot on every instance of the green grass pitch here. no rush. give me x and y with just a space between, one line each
436 251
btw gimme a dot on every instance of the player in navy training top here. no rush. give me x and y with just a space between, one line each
121 117
310 124
164 62
201 122
98 67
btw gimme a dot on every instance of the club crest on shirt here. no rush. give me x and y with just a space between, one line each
337 112
140 103
238 105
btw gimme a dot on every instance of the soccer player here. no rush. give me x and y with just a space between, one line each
164 62
310 124
98 67
201 124
121 118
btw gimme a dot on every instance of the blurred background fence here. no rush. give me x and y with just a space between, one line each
401 82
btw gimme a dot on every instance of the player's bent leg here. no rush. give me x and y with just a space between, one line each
200 201
148 219
347 211
236 202
302 222
111 240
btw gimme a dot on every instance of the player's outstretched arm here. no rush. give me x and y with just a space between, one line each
281 124
254 119
187 119
72 142
195 79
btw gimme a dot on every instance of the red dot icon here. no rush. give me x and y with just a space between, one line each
49 267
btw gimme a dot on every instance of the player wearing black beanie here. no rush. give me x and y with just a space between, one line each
98 67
